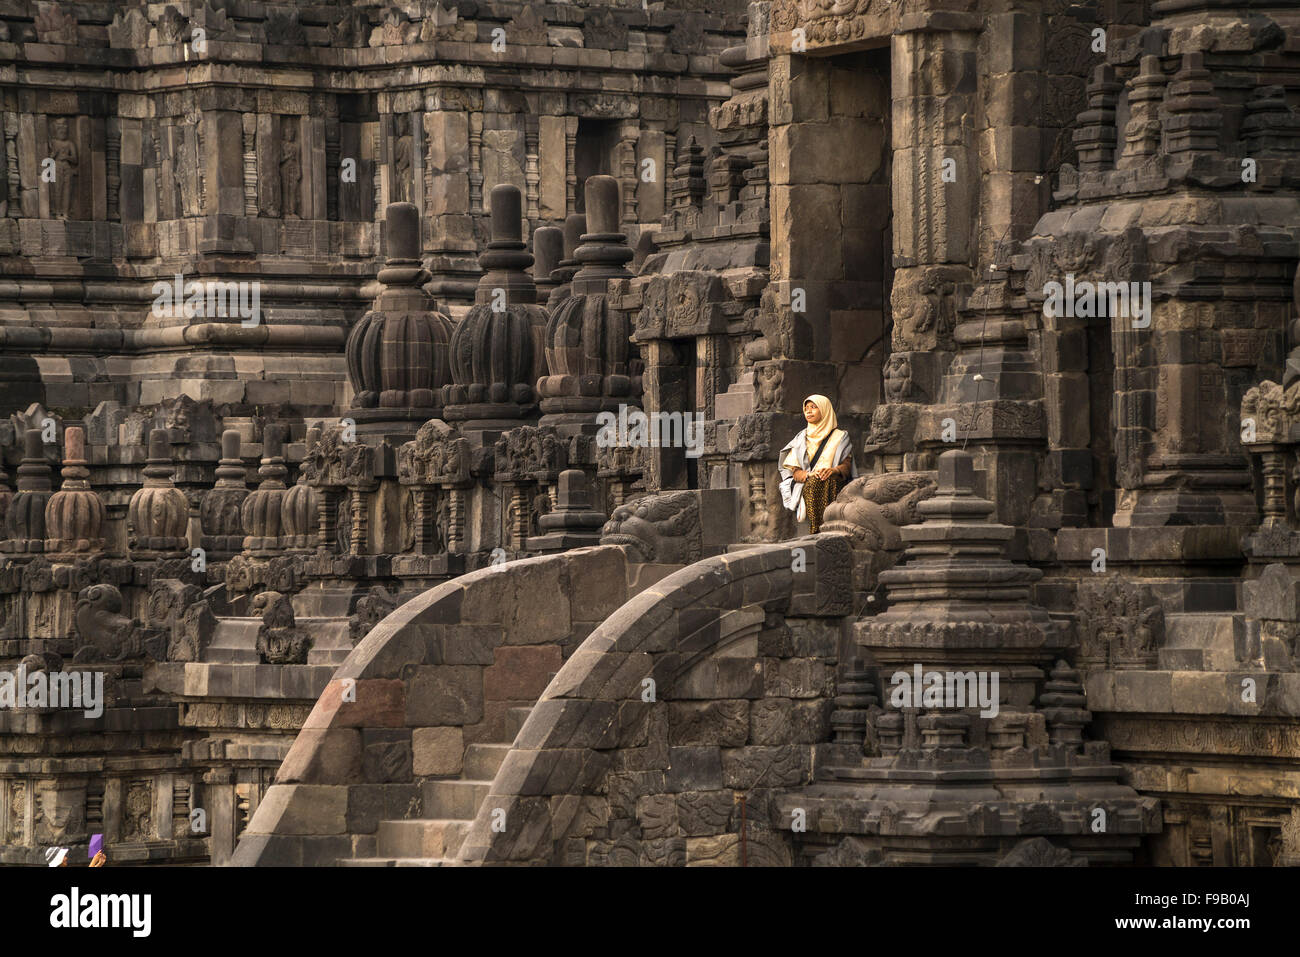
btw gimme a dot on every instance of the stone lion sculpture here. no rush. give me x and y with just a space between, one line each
871 508
279 642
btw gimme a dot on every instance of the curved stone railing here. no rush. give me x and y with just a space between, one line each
436 676
716 680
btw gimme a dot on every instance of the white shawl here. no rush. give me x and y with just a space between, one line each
792 491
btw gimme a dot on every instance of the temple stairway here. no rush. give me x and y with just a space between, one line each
235 641
323 613
451 805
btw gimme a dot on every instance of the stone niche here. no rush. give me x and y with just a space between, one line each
830 163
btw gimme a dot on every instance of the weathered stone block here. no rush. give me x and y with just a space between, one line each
437 752
386 756
787 765
1275 595
694 769
444 695
303 809
704 812
377 703
657 815
520 673
322 756
722 723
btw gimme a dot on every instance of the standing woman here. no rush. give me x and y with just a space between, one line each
816 464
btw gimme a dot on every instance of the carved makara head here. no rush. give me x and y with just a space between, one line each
871 508
658 528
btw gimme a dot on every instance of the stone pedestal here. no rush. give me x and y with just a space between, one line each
965 760
573 523
496 350
398 353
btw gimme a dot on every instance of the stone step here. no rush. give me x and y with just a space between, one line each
318 600
234 640
1182 659
738 400
454 799
515 719
394 862
333 640
482 761
1203 641
420 837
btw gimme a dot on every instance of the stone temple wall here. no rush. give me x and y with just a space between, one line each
236 143
370 582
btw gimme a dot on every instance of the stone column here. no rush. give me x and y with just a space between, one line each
548 250
476 164
360 522
456 519
249 125
532 174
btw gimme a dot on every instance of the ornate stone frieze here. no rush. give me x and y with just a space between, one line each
336 462
1121 624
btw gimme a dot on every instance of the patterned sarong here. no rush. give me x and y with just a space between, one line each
817 494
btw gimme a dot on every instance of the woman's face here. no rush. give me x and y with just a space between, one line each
811 413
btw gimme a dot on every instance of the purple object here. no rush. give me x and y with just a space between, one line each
96 845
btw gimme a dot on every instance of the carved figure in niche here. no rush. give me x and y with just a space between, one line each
64 153
816 463
541 505
373 608
770 392
290 173
402 159
108 635
1122 625
171 26
898 378
343 526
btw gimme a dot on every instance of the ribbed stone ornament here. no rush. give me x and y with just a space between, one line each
587 345
74 516
261 510
299 507
496 350
220 515
397 353
159 511
25 520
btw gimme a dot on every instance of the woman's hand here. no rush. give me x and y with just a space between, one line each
799 475
823 473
